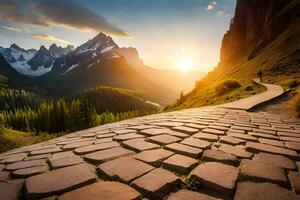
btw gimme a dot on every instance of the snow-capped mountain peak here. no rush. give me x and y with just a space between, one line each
100 43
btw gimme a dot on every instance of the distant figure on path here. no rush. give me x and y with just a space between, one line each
260 75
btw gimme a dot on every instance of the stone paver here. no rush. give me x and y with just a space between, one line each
163 139
213 131
185 129
231 140
96 147
216 176
23 173
294 178
154 157
235 150
258 147
10 190
275 143
293 145
127 136
256 171
194 142
63 162
102 190
243 136
105 155
26 164
275 160
124 169
157 183
139 145
184 150
206 136
189 195
59 181
219 156
179 164
4 176
263 191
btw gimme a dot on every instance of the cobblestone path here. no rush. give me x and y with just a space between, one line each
204 153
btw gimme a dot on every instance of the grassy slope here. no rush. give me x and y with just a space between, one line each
279 61
10 139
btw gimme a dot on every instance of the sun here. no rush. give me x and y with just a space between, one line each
185 64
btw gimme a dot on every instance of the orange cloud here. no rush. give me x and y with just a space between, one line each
50 37
10 28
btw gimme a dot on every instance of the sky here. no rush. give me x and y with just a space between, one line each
165 32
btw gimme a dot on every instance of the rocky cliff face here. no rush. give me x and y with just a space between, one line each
254 25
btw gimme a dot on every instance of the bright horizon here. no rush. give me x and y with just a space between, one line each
181 35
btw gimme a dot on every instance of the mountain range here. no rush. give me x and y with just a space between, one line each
97 62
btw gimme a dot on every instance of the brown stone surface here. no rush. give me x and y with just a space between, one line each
235 150
154 131
184 150
189 195
258 147
37 157
294 178
96 147
185 129
4 176
263 135
213 131
127 136
154 157
105 190
157 183
10 191
219 156
275 160
231 140
139 145
46 151
124 169
59 181
194 142
63 162
179 164
26 164
256 171
216 176
76 145
275 143
243 136
293 145
105 155
206 136
263 191
23 173
163 139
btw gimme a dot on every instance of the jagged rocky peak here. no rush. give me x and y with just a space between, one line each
100 43
250 23
17 48
21 58
58 50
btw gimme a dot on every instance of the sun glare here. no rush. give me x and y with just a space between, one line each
185 64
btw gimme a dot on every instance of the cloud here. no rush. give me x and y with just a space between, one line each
211 5
50 37
10 28
67 13
220 12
